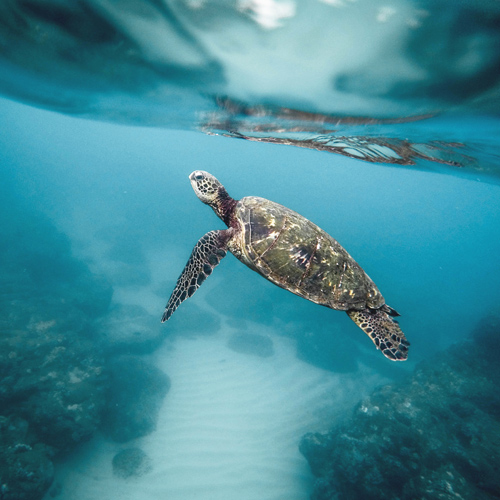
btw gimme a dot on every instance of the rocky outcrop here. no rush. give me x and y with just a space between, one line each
54 380
433 437
135 395
131 462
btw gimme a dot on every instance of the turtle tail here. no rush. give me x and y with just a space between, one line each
384 331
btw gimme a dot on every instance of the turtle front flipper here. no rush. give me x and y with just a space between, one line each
384 332
206 255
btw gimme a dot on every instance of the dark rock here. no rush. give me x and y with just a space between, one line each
135 396
26 470
131 462
434 436
251 343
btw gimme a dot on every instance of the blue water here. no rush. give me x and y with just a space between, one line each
99 218
428 240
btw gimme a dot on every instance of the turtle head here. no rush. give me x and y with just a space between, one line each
207 187
210 191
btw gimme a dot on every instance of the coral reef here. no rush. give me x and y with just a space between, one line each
52 381
434 436
26 469
52 377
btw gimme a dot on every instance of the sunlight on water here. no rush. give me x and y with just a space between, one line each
288 72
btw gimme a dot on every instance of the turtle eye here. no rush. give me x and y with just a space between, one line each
198 177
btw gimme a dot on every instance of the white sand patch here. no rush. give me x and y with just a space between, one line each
229 428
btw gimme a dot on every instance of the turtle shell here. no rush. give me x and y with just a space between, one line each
295 254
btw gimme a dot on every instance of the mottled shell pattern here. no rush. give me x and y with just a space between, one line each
295 254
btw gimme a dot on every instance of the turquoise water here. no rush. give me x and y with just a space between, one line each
98 219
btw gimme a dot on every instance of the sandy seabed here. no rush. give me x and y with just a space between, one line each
229 427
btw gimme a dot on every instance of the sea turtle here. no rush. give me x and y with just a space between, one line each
291 252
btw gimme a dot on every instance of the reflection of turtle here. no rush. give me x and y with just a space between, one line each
294 254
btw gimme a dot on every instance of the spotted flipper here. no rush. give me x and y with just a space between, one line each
206 255
383 330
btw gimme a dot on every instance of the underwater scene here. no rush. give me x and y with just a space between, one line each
124 197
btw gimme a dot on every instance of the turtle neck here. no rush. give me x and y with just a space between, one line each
223 206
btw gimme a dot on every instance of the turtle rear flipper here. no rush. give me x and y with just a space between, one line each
389 310
206 255
384 332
